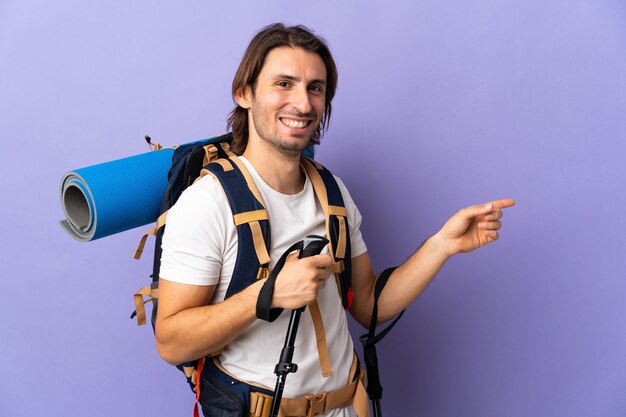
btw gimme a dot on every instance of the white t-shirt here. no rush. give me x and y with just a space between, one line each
200 248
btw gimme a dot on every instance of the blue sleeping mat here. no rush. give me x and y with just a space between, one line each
112 197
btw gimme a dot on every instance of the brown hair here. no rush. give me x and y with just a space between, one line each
270 37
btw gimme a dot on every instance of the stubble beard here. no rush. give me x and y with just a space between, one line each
273 138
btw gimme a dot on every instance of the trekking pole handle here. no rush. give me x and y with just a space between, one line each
312 245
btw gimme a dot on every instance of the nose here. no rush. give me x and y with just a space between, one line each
301 100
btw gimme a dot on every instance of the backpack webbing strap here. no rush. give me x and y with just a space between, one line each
341 214
369 340
253 218
142 242
226 165
152 292
337 267
320 336
210 154
250 216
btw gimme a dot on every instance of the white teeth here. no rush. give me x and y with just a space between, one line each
294 123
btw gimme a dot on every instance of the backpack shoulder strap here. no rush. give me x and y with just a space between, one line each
331 200
250 217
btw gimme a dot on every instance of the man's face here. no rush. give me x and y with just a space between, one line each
288 101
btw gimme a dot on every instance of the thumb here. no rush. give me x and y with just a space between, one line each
293 256
473 211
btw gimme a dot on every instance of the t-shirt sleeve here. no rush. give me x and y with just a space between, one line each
195 235
357 243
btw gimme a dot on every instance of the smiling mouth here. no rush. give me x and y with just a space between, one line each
295 124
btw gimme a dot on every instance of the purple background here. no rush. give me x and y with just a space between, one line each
441 104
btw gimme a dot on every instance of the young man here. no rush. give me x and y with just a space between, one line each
283 90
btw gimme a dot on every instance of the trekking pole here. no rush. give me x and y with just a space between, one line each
312 246
377 410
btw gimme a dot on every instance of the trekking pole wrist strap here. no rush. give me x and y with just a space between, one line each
264 301
378 289
369 340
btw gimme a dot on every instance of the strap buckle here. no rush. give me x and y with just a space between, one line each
316 404
263 273
210 154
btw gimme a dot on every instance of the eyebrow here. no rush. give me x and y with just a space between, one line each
292 78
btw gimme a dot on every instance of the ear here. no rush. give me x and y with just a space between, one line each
243 97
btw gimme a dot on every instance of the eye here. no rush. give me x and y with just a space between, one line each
316 88
283 84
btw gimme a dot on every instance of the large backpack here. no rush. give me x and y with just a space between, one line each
213 157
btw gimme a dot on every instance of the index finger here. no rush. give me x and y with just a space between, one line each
504 203
323 260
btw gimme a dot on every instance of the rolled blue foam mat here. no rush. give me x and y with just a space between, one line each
112 197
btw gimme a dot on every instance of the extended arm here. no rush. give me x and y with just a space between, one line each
469 229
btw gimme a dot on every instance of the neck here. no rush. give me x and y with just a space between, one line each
279 171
